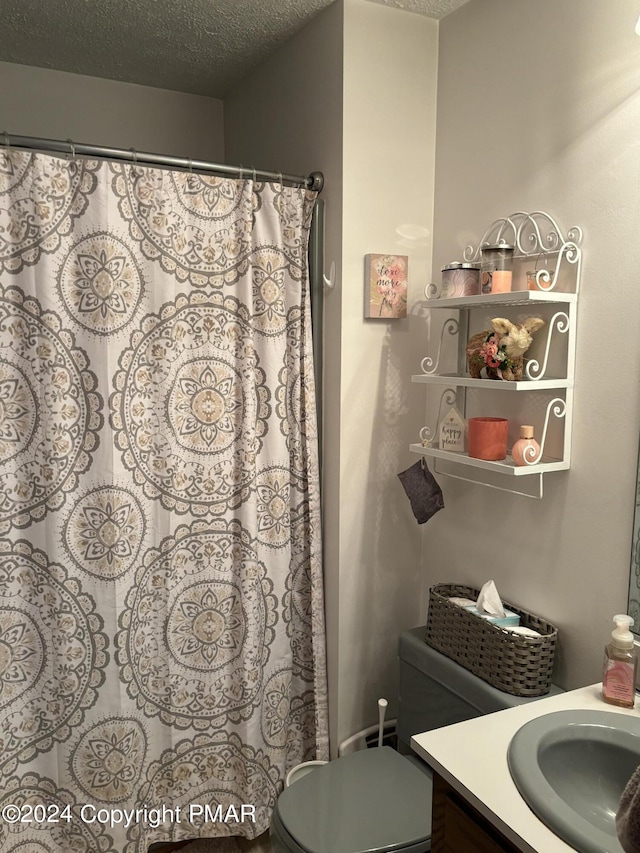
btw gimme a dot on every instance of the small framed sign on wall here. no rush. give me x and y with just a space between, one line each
385 291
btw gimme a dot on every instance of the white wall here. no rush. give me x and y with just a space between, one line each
539 109
354 95
390 61
58 105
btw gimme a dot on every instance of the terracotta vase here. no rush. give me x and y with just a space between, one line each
488 438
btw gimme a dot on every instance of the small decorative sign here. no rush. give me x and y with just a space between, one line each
452 429
386 287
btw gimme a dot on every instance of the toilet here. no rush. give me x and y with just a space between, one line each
379 800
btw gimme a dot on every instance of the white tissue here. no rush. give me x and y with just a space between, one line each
526 632
462 602
489 601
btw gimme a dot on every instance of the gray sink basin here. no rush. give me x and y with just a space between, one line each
571 768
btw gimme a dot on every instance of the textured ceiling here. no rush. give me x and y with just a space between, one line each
199 46
430 8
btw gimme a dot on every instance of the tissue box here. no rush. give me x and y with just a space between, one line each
509 620
519 665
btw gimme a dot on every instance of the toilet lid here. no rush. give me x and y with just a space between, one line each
372 800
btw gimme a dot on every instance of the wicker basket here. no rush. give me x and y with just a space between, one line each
511 662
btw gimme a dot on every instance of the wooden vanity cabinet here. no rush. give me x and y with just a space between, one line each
458 828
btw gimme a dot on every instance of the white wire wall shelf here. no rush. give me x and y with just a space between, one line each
491 300
492 384
505 466
538 240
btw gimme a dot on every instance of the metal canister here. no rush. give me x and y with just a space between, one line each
497 267
460 279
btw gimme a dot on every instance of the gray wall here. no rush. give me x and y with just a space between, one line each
538 109
58 105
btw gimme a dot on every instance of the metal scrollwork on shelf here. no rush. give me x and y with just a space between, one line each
432 291
571 252
502 229
427 364
557 407
427 435
530 454
533 369
532 234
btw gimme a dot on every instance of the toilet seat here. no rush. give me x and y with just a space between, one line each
373 800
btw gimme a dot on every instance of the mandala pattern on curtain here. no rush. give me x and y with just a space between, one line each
161 609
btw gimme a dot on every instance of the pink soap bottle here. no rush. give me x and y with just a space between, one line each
620 664
526 450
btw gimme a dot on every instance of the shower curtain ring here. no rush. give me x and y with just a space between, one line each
7 144
281 181
134 157
240 172
72 149
254 174
190 165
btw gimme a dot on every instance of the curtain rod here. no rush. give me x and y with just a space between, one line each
313 181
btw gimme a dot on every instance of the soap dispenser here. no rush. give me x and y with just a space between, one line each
620 663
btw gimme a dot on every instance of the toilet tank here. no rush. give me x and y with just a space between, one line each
435 691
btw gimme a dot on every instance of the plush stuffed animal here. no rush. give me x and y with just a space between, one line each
500 350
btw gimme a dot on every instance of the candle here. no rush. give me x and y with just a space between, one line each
496 267
501 281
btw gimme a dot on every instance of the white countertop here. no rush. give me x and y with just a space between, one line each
472 757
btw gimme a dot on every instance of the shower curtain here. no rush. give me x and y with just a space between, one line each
162 660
